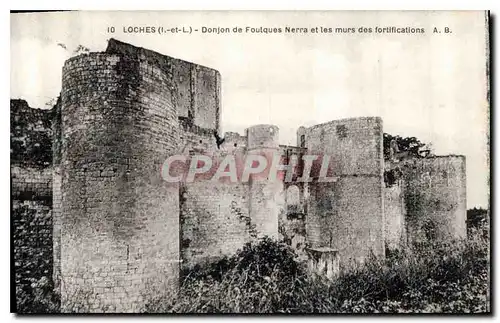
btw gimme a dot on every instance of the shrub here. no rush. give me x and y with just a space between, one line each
37 298
265 277
262 259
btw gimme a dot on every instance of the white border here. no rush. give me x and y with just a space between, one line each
256 5
190 5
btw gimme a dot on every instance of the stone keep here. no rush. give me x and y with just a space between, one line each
122 236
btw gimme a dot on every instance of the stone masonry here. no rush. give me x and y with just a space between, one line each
91 210
31 194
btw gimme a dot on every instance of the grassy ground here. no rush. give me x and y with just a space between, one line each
264 278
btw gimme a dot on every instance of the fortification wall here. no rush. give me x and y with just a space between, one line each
30 183
267 196
214 216
31 217
31 194
215 221
292 222
218 218
355 145
435 198
395 214
207 87
57 140
348 214
292 225
321 217
234 142
195 138
197 88
119 219
88 190
30 136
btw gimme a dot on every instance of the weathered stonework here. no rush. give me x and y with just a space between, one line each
31 194
348 214
119 220
87 186
215 221
435 197
395 215
266 197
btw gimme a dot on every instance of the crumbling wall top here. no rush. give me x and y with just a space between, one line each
262 136
345 120
31 135
125 49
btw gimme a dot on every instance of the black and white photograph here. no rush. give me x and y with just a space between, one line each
250 162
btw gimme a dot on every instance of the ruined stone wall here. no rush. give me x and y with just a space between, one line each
119 219
31 194
435 198
348 214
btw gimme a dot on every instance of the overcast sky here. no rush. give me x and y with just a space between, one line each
432 86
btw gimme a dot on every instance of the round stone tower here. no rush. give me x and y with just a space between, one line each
347 213
266 194
435 198
119 237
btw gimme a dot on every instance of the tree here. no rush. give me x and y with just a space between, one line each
405 146
476 217
80 49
